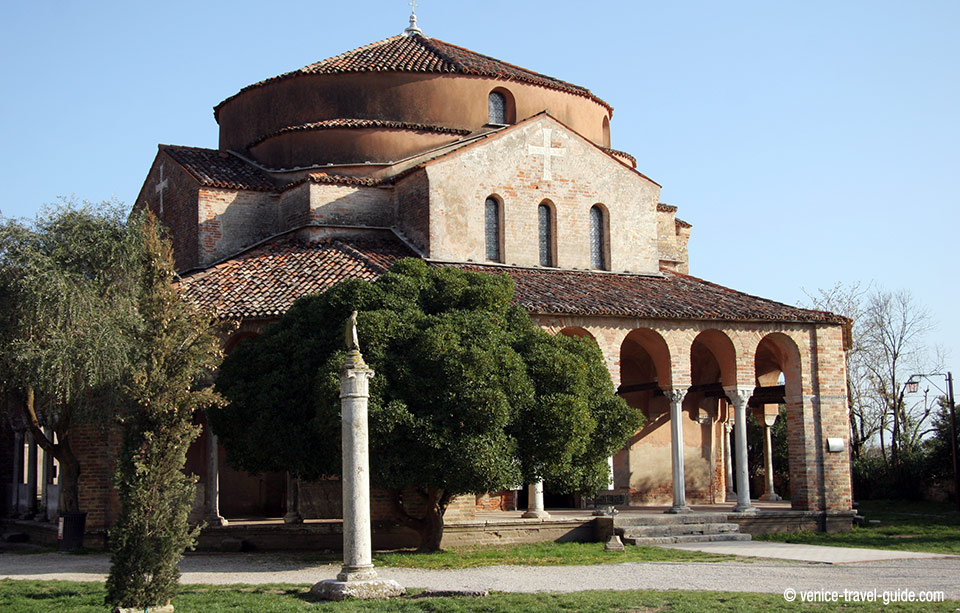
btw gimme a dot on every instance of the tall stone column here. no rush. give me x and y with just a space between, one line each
30 506
676 451
17 473
728 459
212 484
739 396
293 501
769 493
357 577
535 501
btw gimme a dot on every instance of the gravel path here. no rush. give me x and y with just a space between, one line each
759 576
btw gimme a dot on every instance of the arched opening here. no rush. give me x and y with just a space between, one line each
707 458
501 109
643 467
493 229
776 443
546 225
576 331
606 131
599 241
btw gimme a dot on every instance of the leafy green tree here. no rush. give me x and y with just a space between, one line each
469 397
65 282
175 349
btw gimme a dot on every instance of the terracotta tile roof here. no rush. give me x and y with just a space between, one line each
334 124
666 208
265 281
213 168
672 296
323 177
620 154
421 54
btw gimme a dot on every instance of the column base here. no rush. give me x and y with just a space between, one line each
731 496
614 544
535 515
293 518
359 590
215 520
679 509
774 497
745 508
357 573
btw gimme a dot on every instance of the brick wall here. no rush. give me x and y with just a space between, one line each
231 220
504 167
413 209
179 213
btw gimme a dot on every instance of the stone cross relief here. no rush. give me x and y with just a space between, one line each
548 152
161 186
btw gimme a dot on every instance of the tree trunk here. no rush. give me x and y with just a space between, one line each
69 466
430 526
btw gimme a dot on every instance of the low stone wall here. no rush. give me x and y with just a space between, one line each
770 522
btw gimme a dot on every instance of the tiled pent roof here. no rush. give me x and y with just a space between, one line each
213 168
334 124
421 54
672 296
265 281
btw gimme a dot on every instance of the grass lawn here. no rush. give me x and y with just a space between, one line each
905 525
541 554
57 596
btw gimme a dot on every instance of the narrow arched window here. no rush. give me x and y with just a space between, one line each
497 108
546 234
492 229
598 248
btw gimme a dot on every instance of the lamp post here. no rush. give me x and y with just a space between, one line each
912 386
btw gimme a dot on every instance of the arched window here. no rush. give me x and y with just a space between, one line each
491 216
598 247
497 108
545 219
606 132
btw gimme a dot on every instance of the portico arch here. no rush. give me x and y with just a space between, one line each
577 331
779 377
713 365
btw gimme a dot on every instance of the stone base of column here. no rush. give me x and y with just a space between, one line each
535 515
731 496
293 518
683 509
748 508
215 520
771 497
614 544
359 590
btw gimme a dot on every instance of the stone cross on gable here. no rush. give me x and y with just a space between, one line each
548 152
161 186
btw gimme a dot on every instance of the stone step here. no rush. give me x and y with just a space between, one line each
686 538
648 519
676 530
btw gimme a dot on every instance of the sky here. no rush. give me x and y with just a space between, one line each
808 143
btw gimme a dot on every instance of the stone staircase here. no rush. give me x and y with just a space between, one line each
650 529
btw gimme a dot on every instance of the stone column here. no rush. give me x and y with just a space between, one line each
357 577
293 501
676 451
739 396
768 494
535 501
17 473
30 507
728 459
212 485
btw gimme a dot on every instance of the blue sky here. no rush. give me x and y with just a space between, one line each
808 143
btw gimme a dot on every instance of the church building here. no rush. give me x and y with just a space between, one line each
415 147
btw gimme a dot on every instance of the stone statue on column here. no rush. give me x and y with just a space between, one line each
357 577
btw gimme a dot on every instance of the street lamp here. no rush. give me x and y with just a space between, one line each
911 386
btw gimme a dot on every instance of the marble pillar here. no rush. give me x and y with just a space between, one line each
212 483
769 494
728 459
33 456
535 502
293 501
357 577
739 396
676 451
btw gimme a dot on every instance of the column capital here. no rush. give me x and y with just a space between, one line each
738 395
675 395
